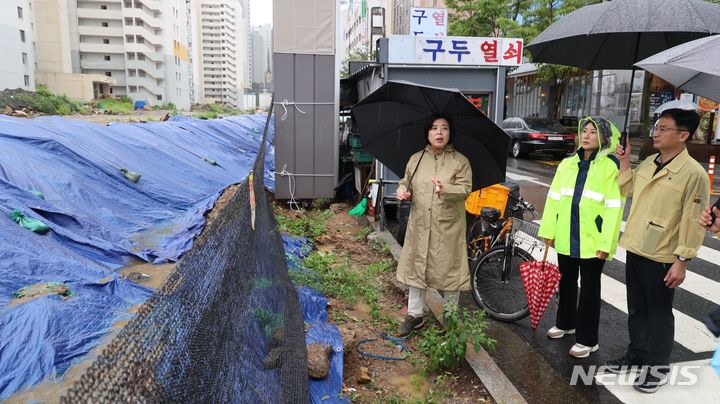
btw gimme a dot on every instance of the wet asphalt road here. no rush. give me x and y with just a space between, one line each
541 368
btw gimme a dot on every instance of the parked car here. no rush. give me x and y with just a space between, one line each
538 136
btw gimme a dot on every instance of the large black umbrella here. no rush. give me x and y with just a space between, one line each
618 34
693 67
391 123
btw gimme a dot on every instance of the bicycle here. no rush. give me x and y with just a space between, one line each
486 231
496 282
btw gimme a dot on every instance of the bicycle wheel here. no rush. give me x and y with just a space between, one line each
475 242
501 300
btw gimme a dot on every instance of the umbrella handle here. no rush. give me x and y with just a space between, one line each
547 248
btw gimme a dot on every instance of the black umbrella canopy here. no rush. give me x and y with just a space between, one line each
617 34
391 123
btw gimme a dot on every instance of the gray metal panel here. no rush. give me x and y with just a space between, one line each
326 131
464 79
284 141
305 142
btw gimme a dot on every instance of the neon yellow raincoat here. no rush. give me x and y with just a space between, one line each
584 207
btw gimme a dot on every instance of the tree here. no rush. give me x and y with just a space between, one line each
484 17
355 54
518 18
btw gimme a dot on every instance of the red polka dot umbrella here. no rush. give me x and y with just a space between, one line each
541 280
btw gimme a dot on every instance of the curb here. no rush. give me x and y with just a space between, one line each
497 384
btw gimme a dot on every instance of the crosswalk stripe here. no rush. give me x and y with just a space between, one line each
703 391
694 283
690 333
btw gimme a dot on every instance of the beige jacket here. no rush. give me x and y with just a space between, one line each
663 222
434 254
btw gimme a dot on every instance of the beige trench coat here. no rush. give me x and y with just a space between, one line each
435 253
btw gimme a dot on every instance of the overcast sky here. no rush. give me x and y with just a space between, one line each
260 12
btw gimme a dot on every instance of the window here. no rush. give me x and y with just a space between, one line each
104 24
27 80
159 97
106 41
109 74
24 58
107 58
103 7
22 35
20 12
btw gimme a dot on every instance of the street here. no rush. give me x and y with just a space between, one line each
541 368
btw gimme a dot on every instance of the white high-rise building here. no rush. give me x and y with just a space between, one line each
221 45
261 56
17 54
246 43
142 44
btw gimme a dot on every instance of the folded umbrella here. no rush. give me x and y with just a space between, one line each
541 280
391 123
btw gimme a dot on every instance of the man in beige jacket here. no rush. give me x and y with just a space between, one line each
669 190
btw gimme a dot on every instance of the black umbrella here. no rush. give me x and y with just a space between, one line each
620 33
391 123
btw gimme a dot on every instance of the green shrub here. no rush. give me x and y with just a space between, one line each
445 348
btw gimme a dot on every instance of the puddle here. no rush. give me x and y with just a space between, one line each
50 391
147 274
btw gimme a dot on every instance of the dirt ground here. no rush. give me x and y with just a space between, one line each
391 381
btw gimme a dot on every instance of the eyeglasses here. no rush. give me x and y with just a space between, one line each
663 129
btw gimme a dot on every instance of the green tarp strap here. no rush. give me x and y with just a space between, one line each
360 208
28 222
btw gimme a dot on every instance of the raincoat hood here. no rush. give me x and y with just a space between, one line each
608 133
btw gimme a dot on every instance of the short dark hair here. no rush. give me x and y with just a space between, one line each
684 119
433 118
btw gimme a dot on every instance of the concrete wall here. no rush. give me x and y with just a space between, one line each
52 30
75 86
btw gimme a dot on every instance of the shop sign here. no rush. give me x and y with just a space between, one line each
455 50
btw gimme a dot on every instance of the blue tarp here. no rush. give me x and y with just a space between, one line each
100 221
320 331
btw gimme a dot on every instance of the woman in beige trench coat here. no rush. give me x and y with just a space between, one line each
437 180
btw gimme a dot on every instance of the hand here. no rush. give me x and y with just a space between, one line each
602 255
439 186
403 195
549 243
705 219
623 155
675 275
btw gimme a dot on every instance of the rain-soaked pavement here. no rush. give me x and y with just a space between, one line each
541 368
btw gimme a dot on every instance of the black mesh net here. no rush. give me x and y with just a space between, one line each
225 326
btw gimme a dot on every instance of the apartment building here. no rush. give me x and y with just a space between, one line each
134 48
17 50
222 44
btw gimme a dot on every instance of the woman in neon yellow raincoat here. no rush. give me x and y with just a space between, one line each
582 218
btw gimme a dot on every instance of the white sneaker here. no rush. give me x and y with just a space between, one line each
555 332
582 351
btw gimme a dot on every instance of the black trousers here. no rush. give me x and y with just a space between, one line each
583 316
651 323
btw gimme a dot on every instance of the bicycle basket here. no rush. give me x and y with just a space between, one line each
525 234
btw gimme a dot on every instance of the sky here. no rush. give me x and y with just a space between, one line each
260 12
